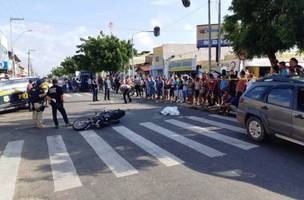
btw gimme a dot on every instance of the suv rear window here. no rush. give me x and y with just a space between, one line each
281 97
257 93
301 99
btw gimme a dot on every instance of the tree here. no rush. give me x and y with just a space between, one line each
104 53
70 65
59 71
265 27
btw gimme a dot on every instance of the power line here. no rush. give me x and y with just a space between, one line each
185 16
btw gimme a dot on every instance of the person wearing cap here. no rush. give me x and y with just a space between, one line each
55 96
38 95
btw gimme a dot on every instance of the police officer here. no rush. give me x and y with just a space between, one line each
55 96
37 96
95 90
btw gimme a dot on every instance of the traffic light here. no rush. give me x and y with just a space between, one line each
186 3
156 31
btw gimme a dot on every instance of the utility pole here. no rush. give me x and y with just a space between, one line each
209 38
219 33
156 32
111 28
11 41
29 62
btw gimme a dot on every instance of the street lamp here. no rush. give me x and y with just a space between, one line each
11 41
28 61
156 32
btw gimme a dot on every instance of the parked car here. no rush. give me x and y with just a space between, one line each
274 106
13 93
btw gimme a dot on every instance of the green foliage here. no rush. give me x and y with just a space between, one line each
106 53
70 65
265 27
103 53
59 71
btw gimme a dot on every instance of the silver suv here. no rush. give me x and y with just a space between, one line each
274 105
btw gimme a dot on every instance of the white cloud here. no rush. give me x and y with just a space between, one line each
155 22
189 27
51 45
144 40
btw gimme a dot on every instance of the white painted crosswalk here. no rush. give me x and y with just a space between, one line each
212 134
217 124
119 166
208 151
9 164
63 170
65 174
162 155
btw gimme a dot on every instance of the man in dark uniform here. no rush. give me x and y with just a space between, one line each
37 97
55 96
95 90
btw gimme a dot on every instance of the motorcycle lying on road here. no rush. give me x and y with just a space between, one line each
99 120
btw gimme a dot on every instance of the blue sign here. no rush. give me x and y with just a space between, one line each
214 43
5 65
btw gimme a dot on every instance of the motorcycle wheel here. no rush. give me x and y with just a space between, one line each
81 124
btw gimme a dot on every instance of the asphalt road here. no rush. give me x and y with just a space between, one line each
147 156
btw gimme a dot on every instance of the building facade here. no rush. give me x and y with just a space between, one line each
4 58
172 59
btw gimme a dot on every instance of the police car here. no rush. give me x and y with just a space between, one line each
13 93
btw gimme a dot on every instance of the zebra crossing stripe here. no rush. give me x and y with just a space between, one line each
162 155
64 174
67 95
224 118
208 151
9 164
218 124
214 135
79 95
119 166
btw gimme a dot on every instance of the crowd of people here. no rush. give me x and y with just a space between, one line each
222 90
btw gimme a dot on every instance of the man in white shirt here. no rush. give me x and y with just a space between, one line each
107 86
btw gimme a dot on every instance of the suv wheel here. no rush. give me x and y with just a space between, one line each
255 129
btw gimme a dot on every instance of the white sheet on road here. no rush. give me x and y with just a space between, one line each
173 111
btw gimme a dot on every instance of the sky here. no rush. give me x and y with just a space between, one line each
57 25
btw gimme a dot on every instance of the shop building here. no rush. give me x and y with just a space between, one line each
183 58
4 59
